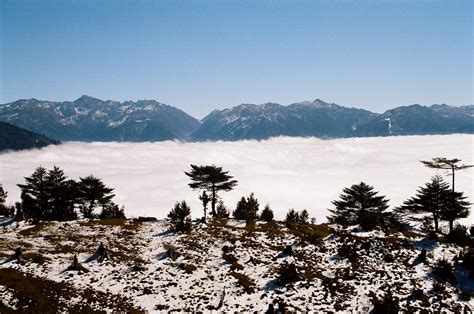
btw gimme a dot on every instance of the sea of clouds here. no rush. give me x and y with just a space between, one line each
285 172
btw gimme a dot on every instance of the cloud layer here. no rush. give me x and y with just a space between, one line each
284 172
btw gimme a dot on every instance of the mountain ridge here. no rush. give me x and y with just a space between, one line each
92 119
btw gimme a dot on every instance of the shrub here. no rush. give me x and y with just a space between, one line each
443 271
422 256
293 218
387 305
222 212
347 251
288 274
112 211
459 235
179 216
7 210
303 216
247 208
468 261
267 214
465 295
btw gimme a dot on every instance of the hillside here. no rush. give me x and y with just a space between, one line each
225 266
15 138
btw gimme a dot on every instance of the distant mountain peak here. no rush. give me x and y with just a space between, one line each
86 98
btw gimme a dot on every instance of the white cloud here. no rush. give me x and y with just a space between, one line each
285 172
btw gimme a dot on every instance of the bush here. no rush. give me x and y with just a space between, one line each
443 271
222 212
288 274
112 211
247 208
293 218
468 261
179 216
267 214
387 305
303 216
459 235
7 210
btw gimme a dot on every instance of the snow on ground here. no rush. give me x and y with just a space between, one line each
285 172
153 269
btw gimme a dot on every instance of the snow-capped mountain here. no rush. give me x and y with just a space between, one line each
416 120
321 119
92 119
316 118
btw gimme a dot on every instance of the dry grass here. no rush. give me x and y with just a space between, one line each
125 224
35 230
39 295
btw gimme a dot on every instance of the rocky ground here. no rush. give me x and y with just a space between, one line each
221 266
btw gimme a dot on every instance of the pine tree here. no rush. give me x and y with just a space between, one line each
93 193
303 216
292 216
459 208
4 210
62 195
211 179
3 195
435 199
267 214
179 216
247 208
34 195
359 204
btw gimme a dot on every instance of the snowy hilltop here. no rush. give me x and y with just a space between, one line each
228 265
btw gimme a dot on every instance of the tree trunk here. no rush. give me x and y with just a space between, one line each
435 220
451 223
452 169
213 201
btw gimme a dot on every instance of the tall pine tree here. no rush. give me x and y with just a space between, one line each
359 204
93 193
436 200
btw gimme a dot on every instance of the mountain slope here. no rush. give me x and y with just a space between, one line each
418 120
15 138
92 119
223 266
324 120
315 118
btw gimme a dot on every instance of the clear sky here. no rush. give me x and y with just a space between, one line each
204 55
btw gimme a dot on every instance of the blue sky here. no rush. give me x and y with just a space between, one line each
203 55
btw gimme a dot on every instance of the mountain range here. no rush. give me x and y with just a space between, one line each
92 119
